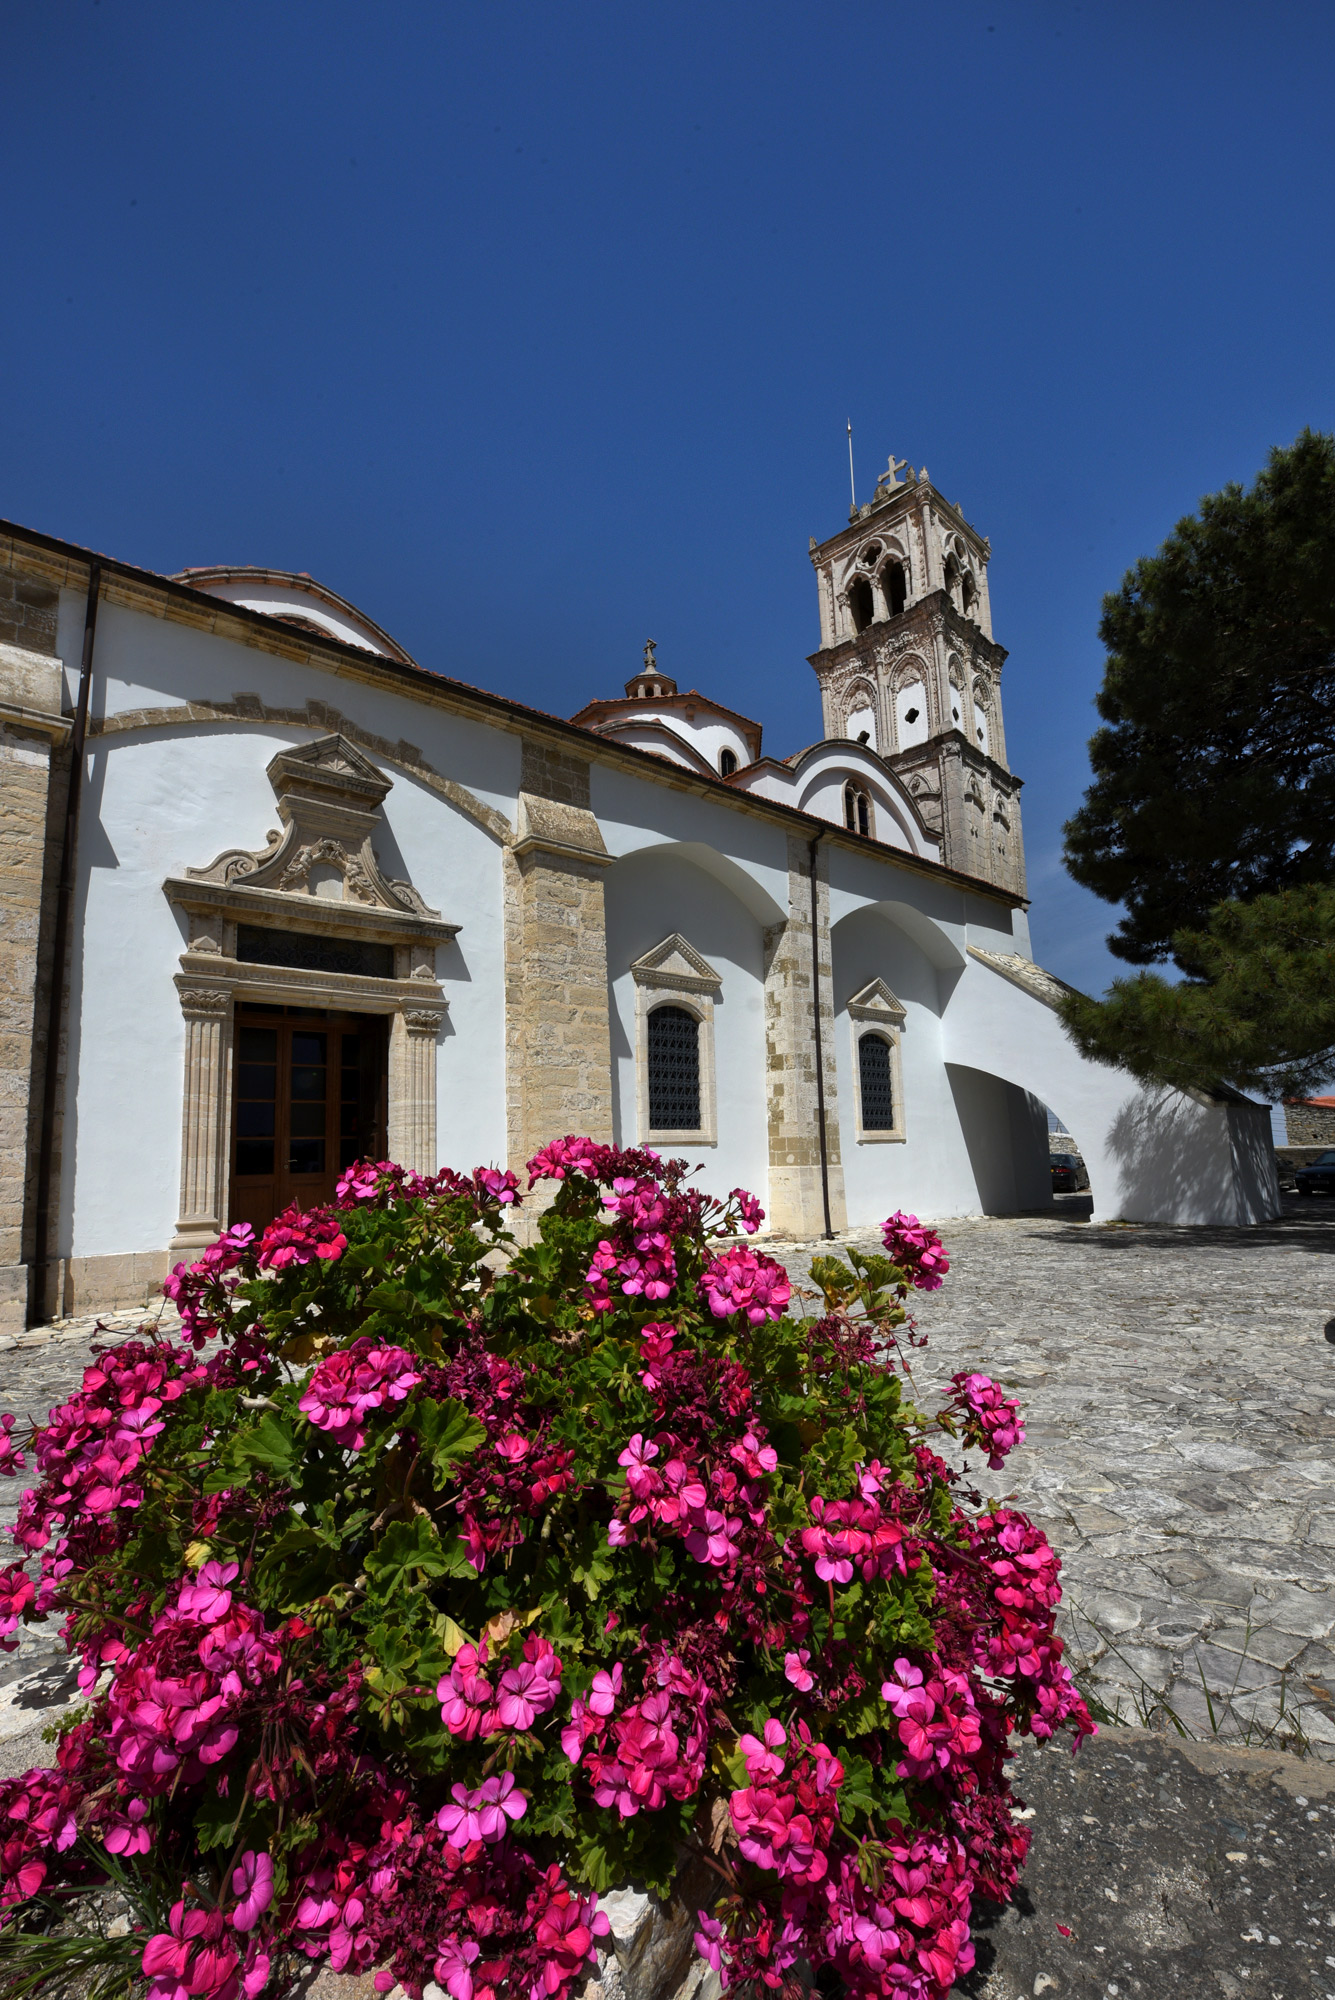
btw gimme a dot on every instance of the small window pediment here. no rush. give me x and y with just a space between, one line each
875 1002
678 966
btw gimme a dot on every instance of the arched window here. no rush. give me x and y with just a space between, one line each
876 1084
674 1070
895 585
860 604
857 810
727 763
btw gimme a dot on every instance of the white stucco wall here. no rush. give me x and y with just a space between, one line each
977 1051
275 599
159 800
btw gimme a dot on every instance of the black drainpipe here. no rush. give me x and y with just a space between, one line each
69 849
820 1054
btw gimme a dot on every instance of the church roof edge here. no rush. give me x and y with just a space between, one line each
288 641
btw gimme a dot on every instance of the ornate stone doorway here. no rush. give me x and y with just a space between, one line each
310 937
309 1097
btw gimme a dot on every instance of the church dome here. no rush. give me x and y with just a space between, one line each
294 598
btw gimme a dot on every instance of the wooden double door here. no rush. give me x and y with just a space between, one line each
309 1097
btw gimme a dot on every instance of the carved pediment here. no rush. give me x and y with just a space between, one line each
329 796
677 965
875 1002
331 770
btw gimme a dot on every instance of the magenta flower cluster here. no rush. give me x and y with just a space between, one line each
746 1281
989 1419
347 1386
647 1751
916 1249
471 1705
621 1561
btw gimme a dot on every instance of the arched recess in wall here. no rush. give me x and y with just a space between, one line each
681 932
860 715
958 718
861 603
984 733
932 939
913 722
892 820
249 712
749 891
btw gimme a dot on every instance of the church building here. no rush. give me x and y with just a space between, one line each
276 896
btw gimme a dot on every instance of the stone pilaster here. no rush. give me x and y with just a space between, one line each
31 730
412 1088
795 1203
205 1105
558 1033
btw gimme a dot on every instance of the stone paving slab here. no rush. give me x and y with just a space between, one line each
1204 1871
1178 1390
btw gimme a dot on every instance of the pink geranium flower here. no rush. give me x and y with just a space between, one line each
529 1689
293 1238
916 1249
748 1282
348 1385
252 1885
484 1814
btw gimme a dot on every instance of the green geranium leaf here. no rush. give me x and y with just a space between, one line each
271 1446
447 1432
857 1793
407 1547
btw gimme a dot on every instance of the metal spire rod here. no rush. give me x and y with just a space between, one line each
852 489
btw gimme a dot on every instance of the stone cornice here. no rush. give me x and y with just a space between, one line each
301 912
902 502
1022 972
932 612
39 720
204 976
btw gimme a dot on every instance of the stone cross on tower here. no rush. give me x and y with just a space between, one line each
650 663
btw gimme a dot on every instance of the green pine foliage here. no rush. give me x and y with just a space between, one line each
1214 772
1261 1016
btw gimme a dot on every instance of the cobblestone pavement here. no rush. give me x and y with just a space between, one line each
1179 1396
1178 1388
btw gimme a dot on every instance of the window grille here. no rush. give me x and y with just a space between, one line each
257 945
878 1097
674 1070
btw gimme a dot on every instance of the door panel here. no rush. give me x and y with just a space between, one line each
308 1099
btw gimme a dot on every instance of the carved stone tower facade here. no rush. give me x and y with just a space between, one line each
908 665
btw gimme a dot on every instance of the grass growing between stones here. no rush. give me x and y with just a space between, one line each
1228 1712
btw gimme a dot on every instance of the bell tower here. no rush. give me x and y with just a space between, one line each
907 664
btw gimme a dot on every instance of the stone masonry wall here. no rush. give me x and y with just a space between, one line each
558 1031
1310 1124
795 1203
28 613
31 691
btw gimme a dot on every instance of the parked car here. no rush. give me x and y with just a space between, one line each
1318 1176
1069 1176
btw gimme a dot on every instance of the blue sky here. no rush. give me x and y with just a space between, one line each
534 329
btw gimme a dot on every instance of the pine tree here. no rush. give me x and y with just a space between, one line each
1260 1016
1212 813
1214 773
